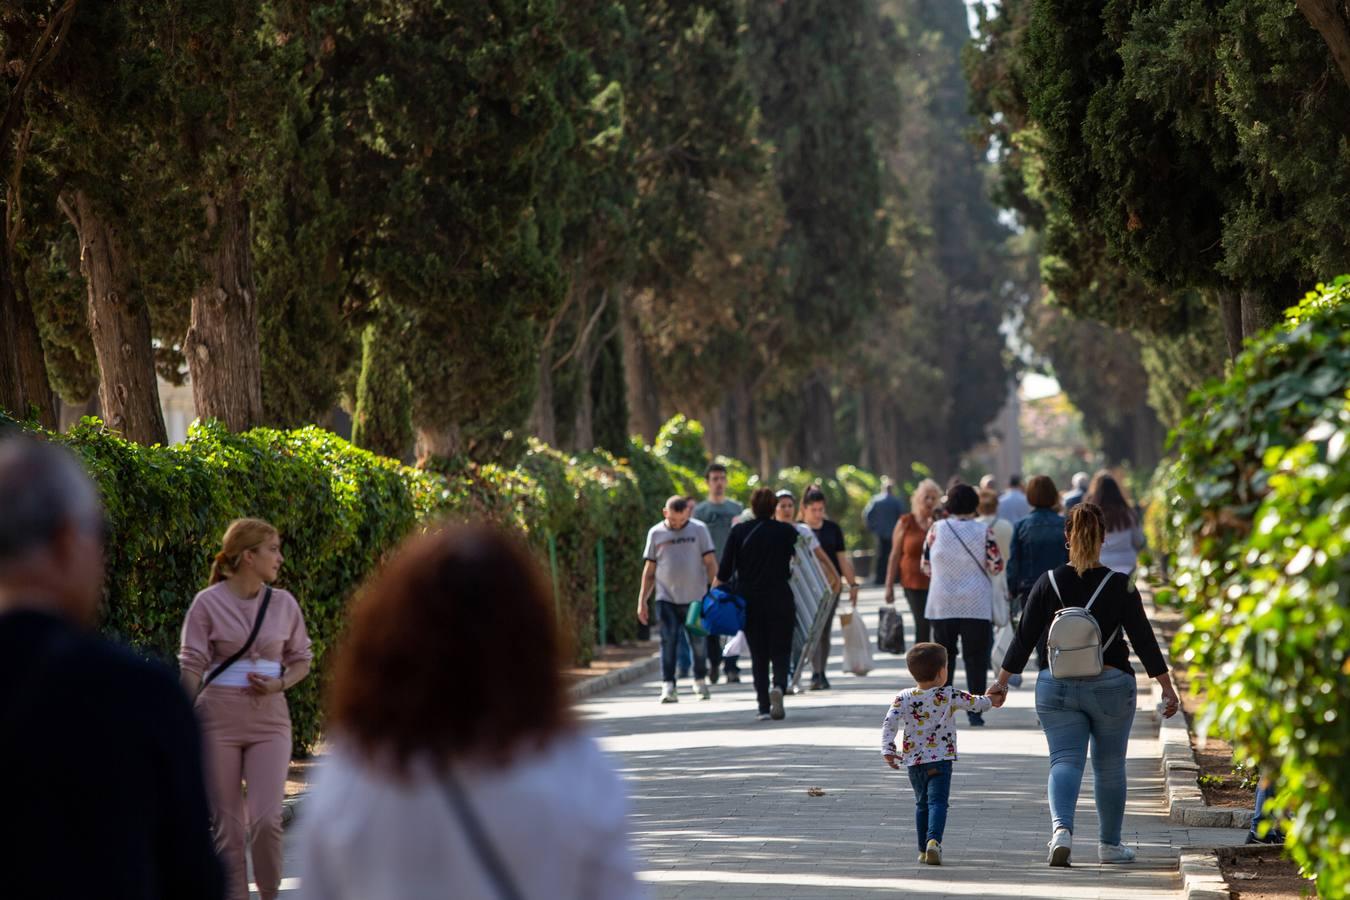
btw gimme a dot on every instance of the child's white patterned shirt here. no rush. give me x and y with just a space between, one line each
926 717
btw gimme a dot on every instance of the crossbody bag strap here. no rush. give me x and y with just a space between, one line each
252 636
972 556
478 839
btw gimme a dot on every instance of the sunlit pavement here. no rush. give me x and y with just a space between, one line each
721 809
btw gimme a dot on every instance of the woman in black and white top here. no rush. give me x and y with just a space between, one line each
962 557
1100 709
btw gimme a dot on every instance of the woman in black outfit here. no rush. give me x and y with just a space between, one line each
758 556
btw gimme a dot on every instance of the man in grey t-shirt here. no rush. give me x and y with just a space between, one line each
679 564
719 514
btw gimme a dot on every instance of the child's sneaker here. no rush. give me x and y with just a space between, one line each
1114 853
668 694
1061 845
933 855
701 688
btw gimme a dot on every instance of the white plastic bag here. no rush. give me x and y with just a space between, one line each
857 649
1001 614
1003 638
737 646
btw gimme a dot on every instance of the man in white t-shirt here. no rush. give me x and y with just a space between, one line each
680 562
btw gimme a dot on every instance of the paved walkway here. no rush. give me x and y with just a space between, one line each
721 808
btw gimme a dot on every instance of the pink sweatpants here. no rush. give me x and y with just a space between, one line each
246 739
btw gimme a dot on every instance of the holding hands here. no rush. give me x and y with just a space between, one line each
997 694
890 761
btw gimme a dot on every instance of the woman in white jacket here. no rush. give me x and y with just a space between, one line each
432 791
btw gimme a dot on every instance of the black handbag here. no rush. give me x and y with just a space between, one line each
890 630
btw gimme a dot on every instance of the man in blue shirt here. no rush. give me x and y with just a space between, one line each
1013 504
882 513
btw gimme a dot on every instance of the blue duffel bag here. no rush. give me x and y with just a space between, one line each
723 611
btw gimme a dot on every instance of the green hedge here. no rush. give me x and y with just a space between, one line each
340 509
1260 505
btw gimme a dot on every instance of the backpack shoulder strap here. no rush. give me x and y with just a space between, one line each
1055 584
1098 591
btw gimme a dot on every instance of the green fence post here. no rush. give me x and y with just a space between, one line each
553 570
600 587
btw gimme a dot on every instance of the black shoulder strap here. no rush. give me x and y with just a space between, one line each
252 636
479 841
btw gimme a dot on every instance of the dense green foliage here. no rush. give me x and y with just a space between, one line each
1259 508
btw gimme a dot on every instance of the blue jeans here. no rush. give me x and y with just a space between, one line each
1074 711
670 617
932 784
1265 791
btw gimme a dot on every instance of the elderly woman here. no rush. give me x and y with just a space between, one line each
961 557
434 791
906 561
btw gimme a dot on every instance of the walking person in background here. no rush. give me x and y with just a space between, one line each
104 794
1037 547
1093 710
1075 496
243 645
758 557
679 565
831 538
880 516
1002 532
497 794
718 513
962 558
785 511
907 562
1013 505
1124 533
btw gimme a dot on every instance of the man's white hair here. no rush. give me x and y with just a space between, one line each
1080 480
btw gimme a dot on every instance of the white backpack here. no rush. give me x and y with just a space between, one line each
1074 641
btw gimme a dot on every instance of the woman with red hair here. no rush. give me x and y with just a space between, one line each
435 790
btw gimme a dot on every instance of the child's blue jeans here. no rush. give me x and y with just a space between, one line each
932 784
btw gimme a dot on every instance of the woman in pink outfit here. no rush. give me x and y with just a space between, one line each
239 689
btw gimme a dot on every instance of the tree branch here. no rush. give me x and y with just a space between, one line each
1326 17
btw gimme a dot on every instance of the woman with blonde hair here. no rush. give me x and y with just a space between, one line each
906 561
433 791
243 645
1096 710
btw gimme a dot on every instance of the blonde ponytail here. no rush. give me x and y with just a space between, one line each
1086 530
242 535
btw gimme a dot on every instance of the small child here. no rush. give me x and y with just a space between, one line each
928 713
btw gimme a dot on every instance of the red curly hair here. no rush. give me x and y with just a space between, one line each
437 618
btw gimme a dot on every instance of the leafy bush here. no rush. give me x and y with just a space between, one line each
680 443
1263 563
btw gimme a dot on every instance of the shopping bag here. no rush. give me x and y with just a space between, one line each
723 612
737 646
1001 615
890 630
857 650
693 621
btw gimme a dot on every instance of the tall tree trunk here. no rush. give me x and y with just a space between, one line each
382 422
543 421
24 387
437 442
119 324
1328 17
1230 313
222 342
1261 309
644 408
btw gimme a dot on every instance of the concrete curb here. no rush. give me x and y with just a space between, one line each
631 672
1200 875
290 807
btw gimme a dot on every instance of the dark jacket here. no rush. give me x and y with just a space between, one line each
104 795
1038 545
759 555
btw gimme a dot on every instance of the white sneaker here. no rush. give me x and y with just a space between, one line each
776 704
1060 847
1115 853
933 855
701 688
668 694
923 857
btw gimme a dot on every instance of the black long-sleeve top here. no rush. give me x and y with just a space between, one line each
104 795
759 555
1119 605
